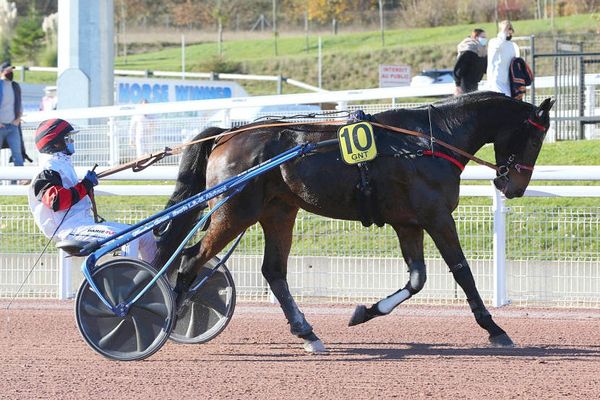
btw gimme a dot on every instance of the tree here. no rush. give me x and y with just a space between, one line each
28 38
187 13
8 17
338 10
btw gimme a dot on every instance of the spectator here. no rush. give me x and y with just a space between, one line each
61 203
141 133
10 114
471 62
49 100
501 51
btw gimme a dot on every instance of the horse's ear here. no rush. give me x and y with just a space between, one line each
544 107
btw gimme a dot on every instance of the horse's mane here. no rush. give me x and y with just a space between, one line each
456 111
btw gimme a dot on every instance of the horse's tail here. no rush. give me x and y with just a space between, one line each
191 179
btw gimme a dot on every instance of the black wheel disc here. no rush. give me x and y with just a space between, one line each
210 308
146 326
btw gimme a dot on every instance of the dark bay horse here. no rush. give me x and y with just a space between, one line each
413 193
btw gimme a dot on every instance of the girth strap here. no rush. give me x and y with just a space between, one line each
368 209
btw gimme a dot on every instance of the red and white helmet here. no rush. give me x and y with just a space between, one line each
50 135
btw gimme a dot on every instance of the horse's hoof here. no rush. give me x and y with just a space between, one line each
359 316
502 340
315 346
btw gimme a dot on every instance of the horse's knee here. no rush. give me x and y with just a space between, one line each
418 277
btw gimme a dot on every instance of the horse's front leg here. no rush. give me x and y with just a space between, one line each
446 239
411 243
277 223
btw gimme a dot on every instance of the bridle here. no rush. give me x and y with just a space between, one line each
504 169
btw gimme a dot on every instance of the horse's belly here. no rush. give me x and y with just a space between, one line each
327 187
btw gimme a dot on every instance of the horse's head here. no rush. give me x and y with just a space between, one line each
517 151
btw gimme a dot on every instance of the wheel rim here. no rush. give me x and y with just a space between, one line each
146 326
210 309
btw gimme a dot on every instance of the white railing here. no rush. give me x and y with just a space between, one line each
471 173
342 98
188 75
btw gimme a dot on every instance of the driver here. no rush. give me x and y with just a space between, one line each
61 203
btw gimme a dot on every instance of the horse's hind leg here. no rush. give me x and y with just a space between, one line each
278 222
411 243
225 225
445 237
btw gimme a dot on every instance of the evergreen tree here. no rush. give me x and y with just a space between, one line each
28 38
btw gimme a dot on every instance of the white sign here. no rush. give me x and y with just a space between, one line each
394 75
154 90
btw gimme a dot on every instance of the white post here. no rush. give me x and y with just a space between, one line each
113 142
590 109
85 53
182 56
320 64
227 118
64 276
500 293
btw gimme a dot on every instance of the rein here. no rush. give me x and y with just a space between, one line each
149 159
439 142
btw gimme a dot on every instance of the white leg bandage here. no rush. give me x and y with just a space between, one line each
386 305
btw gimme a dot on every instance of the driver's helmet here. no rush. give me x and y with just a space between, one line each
51 136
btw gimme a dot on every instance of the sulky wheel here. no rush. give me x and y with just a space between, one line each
209 310
146 326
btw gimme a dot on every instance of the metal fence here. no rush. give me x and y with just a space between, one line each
553 258
110 141
576 112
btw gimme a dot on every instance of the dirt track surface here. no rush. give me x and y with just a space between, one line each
416 352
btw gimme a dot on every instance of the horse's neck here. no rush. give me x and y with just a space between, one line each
468 129
477 129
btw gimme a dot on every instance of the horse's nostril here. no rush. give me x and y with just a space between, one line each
500 184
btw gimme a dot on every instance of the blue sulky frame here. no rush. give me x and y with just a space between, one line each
229 188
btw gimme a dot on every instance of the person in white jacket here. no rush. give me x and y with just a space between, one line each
61 203
501 51
141 133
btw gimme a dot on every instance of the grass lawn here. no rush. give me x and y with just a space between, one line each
349 59
294 46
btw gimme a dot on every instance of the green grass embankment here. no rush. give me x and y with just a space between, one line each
350 60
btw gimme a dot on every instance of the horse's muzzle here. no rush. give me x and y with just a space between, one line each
501 183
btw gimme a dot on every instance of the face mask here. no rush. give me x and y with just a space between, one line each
482 41
70 149
508 37
9 76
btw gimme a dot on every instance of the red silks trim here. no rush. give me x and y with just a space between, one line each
58 198
445 157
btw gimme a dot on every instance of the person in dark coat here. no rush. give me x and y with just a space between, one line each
471 62
11 110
